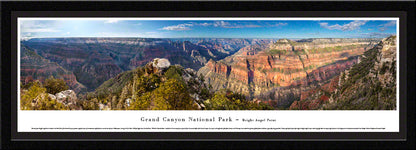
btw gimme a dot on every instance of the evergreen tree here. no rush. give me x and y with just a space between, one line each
54 86
173 95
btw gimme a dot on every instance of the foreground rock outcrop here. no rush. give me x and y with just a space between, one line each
67 97
64 100
142 88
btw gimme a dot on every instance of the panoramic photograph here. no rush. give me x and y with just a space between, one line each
207 64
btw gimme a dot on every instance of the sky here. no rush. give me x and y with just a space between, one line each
101 27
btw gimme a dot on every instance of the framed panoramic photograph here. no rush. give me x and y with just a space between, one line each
207 75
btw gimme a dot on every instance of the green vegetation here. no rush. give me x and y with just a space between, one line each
173 95
227 100
54 86
363 90
300 52
90 104
334 49
114 85
277 52
362 69
36 98
166 91
146 89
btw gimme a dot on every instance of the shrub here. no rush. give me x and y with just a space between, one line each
27 97
54 86
37 92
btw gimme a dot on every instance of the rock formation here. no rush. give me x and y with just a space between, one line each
46 101
259 70
95 60
370 84
67 97
34 67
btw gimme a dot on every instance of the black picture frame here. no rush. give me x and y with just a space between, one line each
11 10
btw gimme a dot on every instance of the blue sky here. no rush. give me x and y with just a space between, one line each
208 28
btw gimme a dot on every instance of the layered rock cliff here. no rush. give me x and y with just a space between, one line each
34 67
278 72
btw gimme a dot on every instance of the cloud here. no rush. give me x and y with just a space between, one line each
40 30
179 27
221 24
251 26
224 24
217 24
111 21
205 24
346 27
27 35
278 24
37 26
384 27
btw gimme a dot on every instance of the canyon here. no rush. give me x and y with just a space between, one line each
95 60
34 67
305 74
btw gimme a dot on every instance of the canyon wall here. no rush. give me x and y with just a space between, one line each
281 70
34 67
95 60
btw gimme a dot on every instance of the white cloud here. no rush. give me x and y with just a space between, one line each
205 24
221 24
218 24
251 26
346 27
40 30
384 27
179 27
26 35
278 24
37 26
224 24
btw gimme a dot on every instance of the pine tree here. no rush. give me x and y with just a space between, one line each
173 95
54 86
